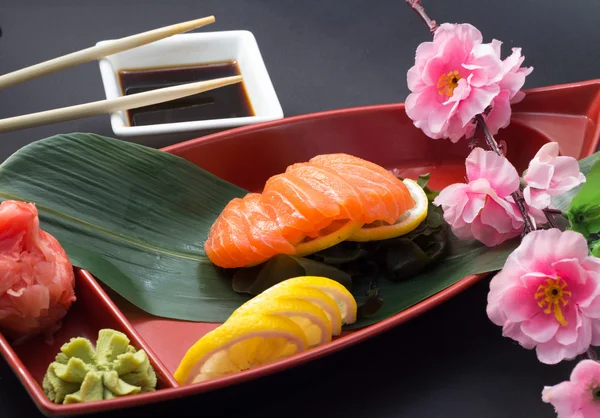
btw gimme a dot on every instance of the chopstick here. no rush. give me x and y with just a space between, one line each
99 51
113 105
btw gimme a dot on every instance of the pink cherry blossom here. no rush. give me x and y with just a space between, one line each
456 77
513 79
579 397
480 209
546 296
550 175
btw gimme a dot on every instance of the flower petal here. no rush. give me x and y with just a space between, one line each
468 34
568 334
592 310
541 327
519 304
489 235
537 199
570 270
479 99
499 116
513 330
497 45
496 216
585 372
539 249
474 206
499 172
419 105
539 174
589 409
566 397
485 64
414 80
550 352
595 332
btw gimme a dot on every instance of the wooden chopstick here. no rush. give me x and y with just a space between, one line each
99 51
113 105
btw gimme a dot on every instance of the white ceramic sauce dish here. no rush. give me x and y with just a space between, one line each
190 49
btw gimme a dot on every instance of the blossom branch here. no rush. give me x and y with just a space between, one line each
516 195
550 219
420 10
550 216
480 122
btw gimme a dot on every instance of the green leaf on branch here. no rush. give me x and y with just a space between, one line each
595 248
584 210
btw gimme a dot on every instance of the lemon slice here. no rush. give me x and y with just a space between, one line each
308 316
242 342
314 296
335 233
336 291
408 222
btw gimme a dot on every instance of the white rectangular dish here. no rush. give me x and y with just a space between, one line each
189 49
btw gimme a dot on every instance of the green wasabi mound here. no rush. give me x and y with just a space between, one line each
82 374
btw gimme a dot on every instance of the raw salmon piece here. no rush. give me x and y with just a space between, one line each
214 247
384 196
228 241
244 234
298 206
36 278
263 231
330 185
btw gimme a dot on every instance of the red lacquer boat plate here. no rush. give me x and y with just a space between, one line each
568 114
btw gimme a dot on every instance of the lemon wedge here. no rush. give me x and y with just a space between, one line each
335 233
308 316
343 299
242 342
408 222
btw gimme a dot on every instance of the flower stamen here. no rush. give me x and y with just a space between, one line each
595 389
552 295
447 83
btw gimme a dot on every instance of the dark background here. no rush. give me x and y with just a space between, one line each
325 54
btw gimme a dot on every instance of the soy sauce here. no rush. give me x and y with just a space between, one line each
225 102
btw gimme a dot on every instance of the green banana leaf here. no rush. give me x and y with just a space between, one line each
133 216
137 218
465 258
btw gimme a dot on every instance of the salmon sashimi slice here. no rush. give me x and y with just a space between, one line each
330 185
262 229
215 247
245 234
298 206
384 196
229 242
